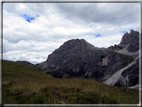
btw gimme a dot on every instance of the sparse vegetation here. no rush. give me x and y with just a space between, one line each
25 85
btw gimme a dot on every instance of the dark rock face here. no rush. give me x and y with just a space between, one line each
116 47
131 38
132 74
133 47
72 51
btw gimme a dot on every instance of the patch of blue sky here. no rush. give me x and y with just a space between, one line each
98 35
125 32
91 25
32 18
28 18
53 41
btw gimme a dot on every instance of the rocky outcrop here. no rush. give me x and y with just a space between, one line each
115 47
132 39
105 61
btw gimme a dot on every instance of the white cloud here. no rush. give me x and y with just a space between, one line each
32 51
25 56
58 23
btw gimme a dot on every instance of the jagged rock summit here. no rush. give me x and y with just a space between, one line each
131 40
132 37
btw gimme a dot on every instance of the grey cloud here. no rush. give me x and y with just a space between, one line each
114 13
32 9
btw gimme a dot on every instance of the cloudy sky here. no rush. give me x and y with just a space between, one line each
32 31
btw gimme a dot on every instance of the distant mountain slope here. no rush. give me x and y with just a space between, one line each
15 70
25 63
79 59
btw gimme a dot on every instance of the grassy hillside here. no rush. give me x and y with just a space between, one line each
24 85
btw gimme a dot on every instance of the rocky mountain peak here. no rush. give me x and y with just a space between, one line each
74 46
133 32
74 42
80 43
129 40
71 50
131 37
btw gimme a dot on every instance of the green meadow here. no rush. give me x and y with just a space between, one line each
25 85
